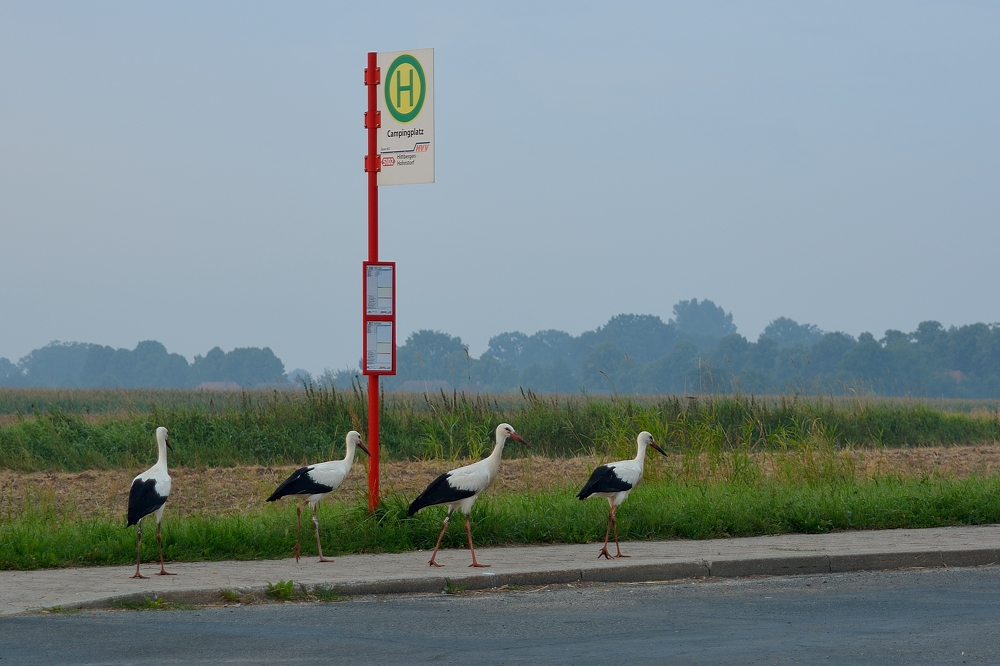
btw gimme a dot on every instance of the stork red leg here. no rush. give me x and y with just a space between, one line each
438 544
319 546
159 544
297 550
614 521
607 533
138 552
468 531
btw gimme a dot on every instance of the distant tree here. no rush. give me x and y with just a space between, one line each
57 364
988 356
211 367
763 355
755 381
644 338
930 335
963 348
343 379
734 351
256 365
246 366
150 365
10 375
671 373
825 355
553 378
547 347
520 350
787 332
605 370
911 364
299 377
153 366
868 361
491 375
433 355
97 369
507 347
703 323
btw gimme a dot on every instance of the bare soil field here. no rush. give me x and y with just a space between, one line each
104 493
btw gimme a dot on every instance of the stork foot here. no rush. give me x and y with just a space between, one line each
620 555
138 575
434 564
604 553
297 552
164 572
325 559
480 566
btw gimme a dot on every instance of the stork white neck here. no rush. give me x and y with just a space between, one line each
349 453
352 442
161 444
501 439
643 441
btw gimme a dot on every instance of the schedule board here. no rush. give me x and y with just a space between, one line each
380 347
380 289
379 317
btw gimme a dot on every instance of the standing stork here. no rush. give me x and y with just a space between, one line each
147 495
315 482
460 487
615 481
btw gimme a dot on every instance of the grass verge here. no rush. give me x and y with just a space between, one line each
664 509
152 603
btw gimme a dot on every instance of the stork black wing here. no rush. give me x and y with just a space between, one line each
439 492
143 500
299 483
603 480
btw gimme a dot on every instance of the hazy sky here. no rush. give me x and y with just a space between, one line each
193 172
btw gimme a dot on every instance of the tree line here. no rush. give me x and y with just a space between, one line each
149 365
697 351
700 351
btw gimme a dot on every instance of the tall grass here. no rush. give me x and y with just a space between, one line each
228 429
27 401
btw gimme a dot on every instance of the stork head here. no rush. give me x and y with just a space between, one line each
645 439
505 430
161 436
354 439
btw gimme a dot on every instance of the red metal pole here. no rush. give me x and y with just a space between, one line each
373 166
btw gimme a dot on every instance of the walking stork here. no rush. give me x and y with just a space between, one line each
315 482
615 481
147 495
460 487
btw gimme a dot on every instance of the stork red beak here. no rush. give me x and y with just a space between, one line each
517 437
657 447
361 445
168 444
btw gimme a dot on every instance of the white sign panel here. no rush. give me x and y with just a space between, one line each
378 346
406 103
378 290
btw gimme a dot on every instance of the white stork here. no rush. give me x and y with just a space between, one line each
315 482
615 481
460 487
147 495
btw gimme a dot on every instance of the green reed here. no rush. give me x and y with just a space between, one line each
76 430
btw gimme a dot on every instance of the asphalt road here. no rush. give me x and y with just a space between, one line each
932 616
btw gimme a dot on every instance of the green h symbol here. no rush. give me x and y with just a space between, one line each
400 88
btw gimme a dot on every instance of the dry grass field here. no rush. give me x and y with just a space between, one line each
235 490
